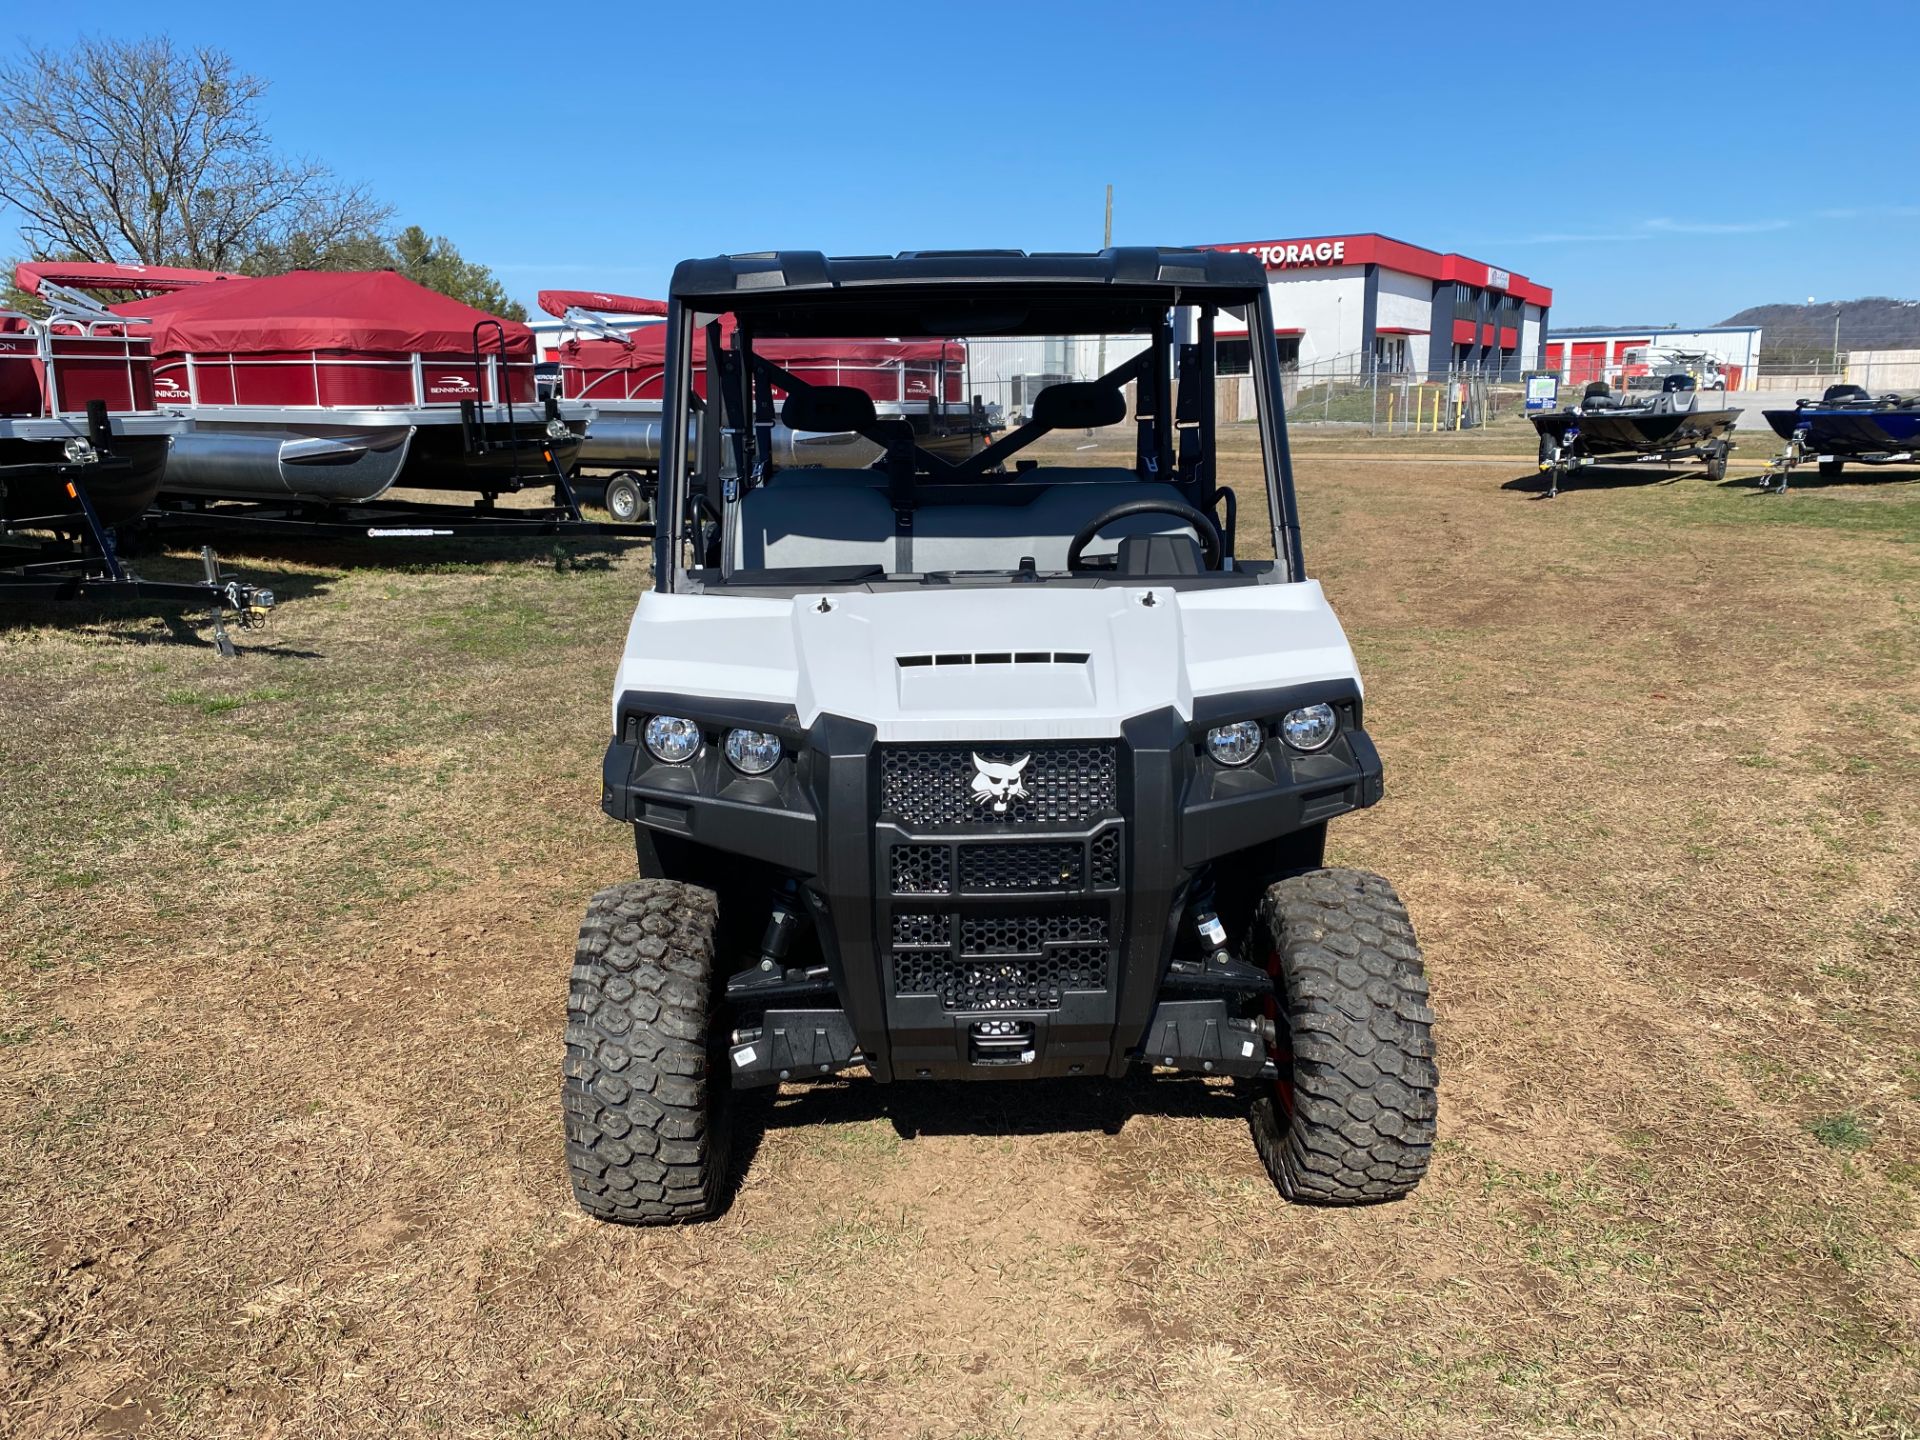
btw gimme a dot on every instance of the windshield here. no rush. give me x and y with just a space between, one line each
861 458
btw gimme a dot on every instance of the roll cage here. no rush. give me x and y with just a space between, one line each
1173 297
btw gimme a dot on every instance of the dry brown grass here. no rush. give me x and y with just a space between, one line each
285 954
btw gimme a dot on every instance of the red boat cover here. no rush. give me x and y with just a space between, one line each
154 279
648 350
356 311
558 302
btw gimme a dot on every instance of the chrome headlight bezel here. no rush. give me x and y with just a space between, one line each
753 752
671 739
1311 727
1236 744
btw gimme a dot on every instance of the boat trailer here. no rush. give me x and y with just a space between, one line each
81 562
387 520
1558 463
381 519
1774 478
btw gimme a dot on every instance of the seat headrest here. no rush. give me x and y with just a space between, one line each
1598 388
1676 382
828 408
1079 405
1844 392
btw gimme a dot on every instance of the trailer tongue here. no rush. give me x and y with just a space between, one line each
82 451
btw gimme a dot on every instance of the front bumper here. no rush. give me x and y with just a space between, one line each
1060 917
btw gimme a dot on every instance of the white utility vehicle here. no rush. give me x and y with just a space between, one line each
1006 767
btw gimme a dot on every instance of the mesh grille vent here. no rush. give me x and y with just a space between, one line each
1065 784
1002 982
1021 867
1106 859
921 870
1024 934
918 927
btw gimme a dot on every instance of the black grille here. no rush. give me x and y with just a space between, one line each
921 870
1016 934
1002 982
1021 867
1106 859
923 785
918 927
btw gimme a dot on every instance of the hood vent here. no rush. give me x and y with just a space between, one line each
995 657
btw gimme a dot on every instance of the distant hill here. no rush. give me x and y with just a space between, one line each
1798 334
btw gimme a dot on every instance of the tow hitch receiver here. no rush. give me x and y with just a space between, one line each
1001 1042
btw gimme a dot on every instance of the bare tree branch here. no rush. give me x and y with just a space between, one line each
131 150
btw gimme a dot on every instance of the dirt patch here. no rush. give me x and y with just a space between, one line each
284 971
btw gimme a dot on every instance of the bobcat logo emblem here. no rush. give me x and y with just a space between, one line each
997 784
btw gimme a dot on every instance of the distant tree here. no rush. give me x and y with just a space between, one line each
303 250
432 261
131 150
134 151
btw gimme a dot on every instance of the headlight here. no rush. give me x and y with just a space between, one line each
1234 744
752 752
672 739
1309 728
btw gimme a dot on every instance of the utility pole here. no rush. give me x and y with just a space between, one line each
1836 342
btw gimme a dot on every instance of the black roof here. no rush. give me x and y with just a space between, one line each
959 292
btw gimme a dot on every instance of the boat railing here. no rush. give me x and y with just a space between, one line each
47 345
431 381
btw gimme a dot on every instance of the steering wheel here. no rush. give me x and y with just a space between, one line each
1200 522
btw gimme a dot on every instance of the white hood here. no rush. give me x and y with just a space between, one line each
1144 647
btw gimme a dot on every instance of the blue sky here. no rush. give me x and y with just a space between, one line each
1672 168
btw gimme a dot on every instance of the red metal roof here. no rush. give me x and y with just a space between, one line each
1373 249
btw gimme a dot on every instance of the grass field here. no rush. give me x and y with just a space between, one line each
285 954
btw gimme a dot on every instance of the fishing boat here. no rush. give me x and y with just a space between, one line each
1846 424
1608 427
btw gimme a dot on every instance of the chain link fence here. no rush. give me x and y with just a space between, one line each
1350 392
1396 402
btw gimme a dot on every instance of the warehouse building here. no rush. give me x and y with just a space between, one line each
1363 303
1716 356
